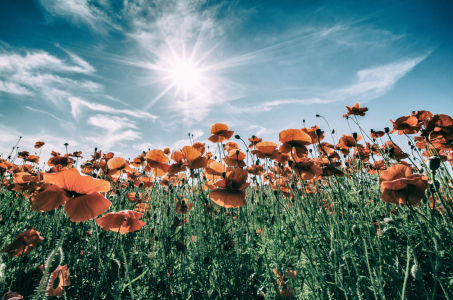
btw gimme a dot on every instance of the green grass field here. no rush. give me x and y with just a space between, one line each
331 236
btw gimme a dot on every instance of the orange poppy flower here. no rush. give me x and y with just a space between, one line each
158 160
39 144
266 150
235 158
406 125
200 147
80 194
58 279
253 141
23 154
422 115
122 221
440 125
116 165
294 139
220 132
24 243
183 206
398 184
32 159
356 110
377 134
312 133
230 190
64 161
305 168
393 151
230 146
193 158
12 296
135 197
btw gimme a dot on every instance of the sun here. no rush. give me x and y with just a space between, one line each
185 75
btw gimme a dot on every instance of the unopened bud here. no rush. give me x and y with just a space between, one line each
434 163
417 272
354 135
317 115
237 136
386 129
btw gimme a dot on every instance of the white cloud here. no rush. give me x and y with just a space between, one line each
372 83
77 104
114 131
375 82
39 73
80 11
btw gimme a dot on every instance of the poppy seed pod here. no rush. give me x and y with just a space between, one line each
354 135
333 131
318 132
237 136
424 133
257 162
434 163
386 129
317 115
417 272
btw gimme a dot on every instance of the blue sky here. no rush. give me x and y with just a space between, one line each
108 74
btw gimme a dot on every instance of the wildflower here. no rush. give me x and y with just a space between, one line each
220 132
294 139
122 221
253 141
116 165
305 168
183 206
39 144
24 243
230 190
405 125
266 150
398 184
315 138
80 195
356 110
58 279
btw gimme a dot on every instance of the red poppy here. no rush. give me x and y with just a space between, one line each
266 150
305 168
377 134
122 221
406 125
24 243
157 160
294 139
253 141
440 125
312 133
117 166
183 206
230 190
398 184
193 158
80 194
355 110
58 279
220 132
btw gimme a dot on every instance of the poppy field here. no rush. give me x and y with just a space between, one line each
367 216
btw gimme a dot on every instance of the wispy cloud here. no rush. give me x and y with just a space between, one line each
371 83
81 12
114 130
270 105
43 112
375 82
44 76
77 104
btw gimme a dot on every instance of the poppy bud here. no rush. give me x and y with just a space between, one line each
276 193
424 133
310 150
237 136
317 115
318 132
333 131
96 149
356 230
354 135
422 170
409 143
386 129
237 152
417 272
434 163
141 185
257 162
